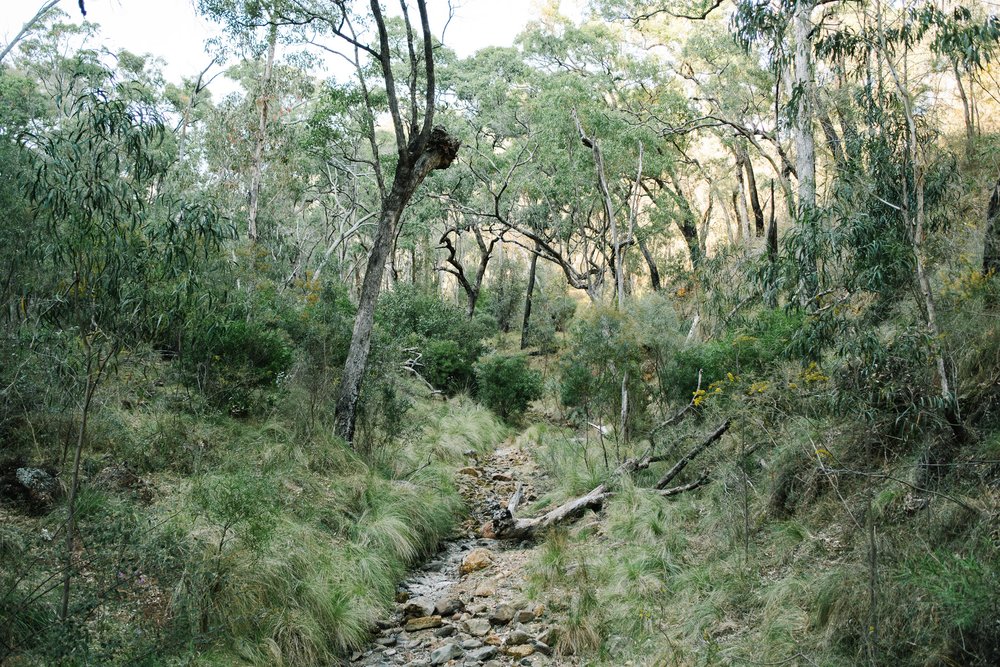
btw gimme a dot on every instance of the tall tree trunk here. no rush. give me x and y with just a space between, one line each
740 197
758 211
805 148
263 103
438 153
654 272
991 241
526 322
802 128
970 124
772 254
833 141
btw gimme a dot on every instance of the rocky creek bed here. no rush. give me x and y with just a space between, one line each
466 605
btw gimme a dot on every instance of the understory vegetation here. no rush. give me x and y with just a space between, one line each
728 271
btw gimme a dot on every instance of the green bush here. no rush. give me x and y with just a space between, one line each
506 384
447 340
235 362
755 348
603 348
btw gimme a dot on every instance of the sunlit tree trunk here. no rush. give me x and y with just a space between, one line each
263 105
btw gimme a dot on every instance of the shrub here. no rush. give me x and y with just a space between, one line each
235 362
603 348
506 384
449 343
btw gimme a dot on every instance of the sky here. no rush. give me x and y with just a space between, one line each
173 30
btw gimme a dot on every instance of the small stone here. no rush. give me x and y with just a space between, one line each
485 653
390 652
470 644
471 471
423 623
502 615
444 653
518 637
386 641
418 607
488 531
445 631
502 477
524 616
357 655
478 627
448 606
485 590
475 560
542 648
520 651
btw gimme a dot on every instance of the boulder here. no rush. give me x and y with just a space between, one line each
475 560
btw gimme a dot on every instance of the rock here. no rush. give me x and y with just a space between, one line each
502 615
542 648
502 477
386 641
402 596
471 471
470 644
485 653
475 560
548 636
443 654
518 637
448 606
488 530
485 590
418 607
445 631
423 623
478 627
520 650
524 616
34 489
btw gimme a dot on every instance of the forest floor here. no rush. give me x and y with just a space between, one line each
467 605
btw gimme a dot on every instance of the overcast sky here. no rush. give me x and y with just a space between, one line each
173 30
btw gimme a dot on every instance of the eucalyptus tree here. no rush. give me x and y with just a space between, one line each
394 68
95 172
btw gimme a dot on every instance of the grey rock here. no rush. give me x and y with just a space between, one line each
518 637
484 653
443 654
542 647
524 616
502 615
478 627
470 644
445 631
418 607
386 641
448 606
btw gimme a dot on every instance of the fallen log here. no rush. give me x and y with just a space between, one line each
680 465
508 526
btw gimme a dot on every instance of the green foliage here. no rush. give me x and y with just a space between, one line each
507 384
755 349
235 363
447 342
